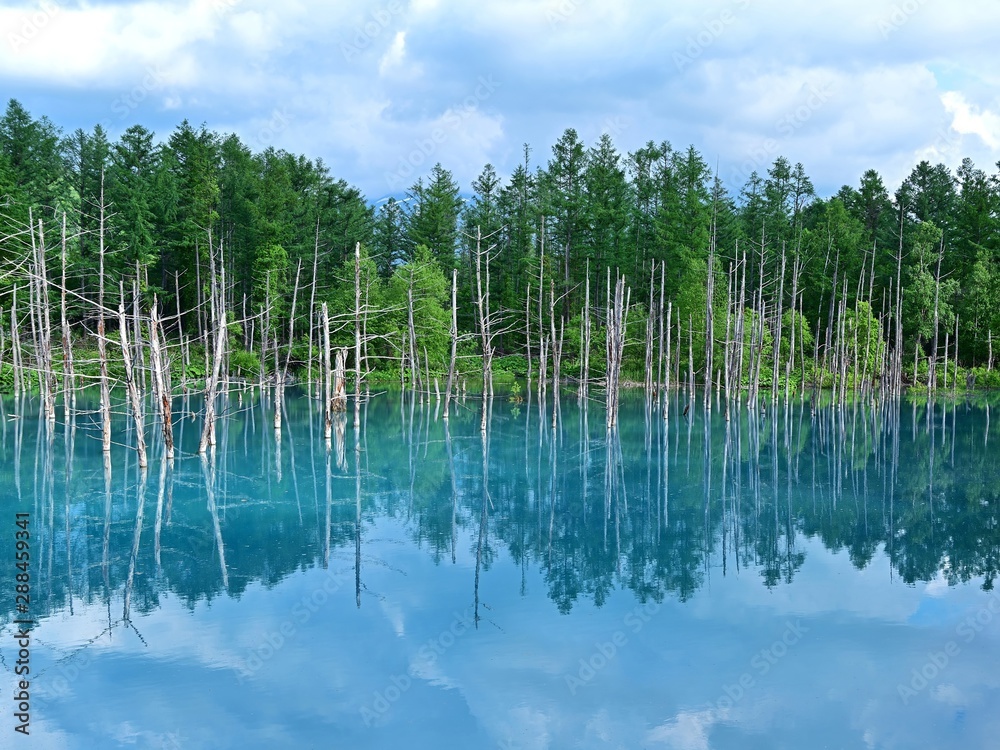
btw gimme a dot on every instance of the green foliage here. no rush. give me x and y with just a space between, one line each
422 280
869 339
195 369
176 206
6 378
271 283
512 364
242 364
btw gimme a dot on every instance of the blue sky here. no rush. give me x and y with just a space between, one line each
382 90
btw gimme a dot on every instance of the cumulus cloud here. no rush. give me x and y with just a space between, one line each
968 119
367 82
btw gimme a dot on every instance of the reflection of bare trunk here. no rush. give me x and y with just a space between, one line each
340 431
137 533
208 472
454 487
483 519
158 525
357 508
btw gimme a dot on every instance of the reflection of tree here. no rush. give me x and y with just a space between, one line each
655 506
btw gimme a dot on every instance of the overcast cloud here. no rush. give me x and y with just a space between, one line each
383 90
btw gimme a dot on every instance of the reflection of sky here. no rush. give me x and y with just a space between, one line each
258 668
189 683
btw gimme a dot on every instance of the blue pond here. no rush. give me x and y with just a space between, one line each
804 576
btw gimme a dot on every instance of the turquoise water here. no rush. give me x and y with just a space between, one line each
805 577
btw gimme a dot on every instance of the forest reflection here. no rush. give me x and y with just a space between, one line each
672 495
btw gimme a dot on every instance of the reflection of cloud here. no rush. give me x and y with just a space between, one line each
950 694
688 730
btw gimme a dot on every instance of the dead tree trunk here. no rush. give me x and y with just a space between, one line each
483 306
102 351
69 378
130 384
357 337
212 384
453 332
327 377
648 375
338 402
777 330
932 375
556 348
615 345
159 367
585 384
280 377
43 346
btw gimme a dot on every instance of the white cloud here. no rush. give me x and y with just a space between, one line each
393 57
366 81
969 119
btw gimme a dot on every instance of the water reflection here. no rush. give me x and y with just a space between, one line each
498 521
655 505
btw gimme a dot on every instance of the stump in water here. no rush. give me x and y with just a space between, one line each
339 400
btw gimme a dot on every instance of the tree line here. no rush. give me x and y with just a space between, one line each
773 286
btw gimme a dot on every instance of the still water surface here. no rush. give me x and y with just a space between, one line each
803 578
